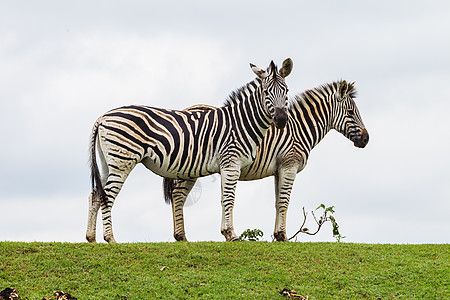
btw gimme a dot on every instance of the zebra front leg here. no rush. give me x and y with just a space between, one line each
180 192
229 178
284 181
94 205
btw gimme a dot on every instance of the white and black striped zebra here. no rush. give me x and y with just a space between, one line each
183 144
284 153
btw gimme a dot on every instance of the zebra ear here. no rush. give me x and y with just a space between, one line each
343 88
286 68
258 71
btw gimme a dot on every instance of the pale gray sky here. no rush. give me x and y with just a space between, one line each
64 63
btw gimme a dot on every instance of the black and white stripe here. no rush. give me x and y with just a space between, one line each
284 153
185 144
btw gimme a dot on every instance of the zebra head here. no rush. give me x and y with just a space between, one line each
275 90
347 118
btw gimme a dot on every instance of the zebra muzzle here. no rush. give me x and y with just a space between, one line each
280 117
362 139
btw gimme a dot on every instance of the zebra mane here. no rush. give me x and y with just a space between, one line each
324 89
236 96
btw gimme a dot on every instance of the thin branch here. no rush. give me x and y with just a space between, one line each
305 230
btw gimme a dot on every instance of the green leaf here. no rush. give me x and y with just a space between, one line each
330 209
251 235
321 206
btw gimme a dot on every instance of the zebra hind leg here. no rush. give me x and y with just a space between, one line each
112 188
94 206
180 192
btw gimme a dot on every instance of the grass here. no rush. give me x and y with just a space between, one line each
220 270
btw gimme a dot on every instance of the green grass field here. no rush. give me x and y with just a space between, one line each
226 270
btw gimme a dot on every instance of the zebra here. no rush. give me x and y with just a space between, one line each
182 144
284 153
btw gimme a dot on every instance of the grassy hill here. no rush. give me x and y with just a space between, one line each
220 270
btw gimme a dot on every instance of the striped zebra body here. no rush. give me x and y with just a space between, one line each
176 149
284 153
185 144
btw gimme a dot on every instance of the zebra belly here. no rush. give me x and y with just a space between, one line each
253 171
182 170
278 163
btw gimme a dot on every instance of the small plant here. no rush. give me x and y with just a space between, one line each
251 235
326 216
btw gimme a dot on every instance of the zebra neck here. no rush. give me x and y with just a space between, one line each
311 120
247 113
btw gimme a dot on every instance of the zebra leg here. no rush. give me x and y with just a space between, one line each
94 205
180 192
112 188
95 201
284 181
229 178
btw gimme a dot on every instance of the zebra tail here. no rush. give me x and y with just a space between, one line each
95 173
168 184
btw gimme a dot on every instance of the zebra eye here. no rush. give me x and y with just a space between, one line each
350 111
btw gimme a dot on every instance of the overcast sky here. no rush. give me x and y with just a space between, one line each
64 63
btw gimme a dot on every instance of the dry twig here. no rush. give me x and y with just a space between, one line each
60 296
324 218
306 230
291 294
9 294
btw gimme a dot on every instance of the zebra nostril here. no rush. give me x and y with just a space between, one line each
362 140
365 137
280 118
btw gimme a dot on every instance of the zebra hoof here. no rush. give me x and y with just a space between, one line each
110 240
180 237
90 238
229 235
280 236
